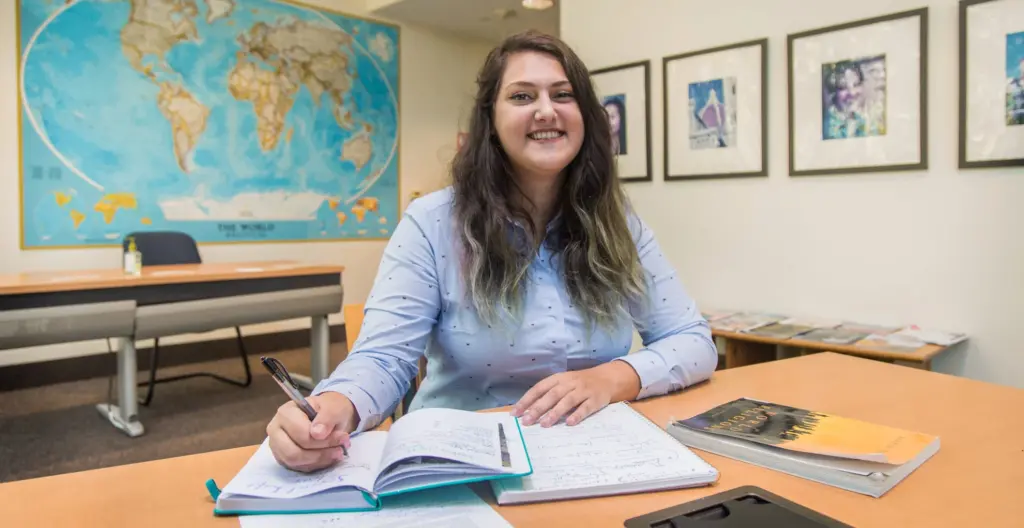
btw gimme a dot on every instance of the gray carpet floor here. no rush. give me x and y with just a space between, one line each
56 429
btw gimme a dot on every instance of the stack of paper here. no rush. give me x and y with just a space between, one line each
436 508
851 454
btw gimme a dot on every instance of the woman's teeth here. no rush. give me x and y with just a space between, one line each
547 134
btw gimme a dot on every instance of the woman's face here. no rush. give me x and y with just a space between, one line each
614 119
536 116
849 89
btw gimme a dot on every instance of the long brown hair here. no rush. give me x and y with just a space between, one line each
599 260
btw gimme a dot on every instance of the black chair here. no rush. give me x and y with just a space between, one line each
167 248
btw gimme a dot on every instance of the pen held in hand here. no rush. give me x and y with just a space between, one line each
284 380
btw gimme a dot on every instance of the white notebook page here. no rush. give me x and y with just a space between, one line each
263 476
613 447
464 436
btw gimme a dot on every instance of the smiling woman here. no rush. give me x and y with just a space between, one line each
521 283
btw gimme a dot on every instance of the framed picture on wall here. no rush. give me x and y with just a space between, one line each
991 83
625 92
858 96
715 105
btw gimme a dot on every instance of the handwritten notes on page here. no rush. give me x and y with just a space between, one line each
264 477
616 450
437 508
464 436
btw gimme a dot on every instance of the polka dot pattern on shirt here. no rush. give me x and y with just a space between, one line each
463 349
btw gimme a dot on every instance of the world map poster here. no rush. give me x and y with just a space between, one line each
230 120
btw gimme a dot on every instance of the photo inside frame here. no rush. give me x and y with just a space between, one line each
992 87
615 109
1015 79
712 109
853 98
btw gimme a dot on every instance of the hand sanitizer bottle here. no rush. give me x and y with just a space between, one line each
132 264
138 261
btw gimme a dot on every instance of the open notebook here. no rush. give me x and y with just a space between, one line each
614 451
427 448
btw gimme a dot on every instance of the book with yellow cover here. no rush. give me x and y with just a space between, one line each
857 455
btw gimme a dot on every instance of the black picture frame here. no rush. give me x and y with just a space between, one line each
645 70
667 92
922 71
962 161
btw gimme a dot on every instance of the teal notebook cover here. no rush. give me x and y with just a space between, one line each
312 493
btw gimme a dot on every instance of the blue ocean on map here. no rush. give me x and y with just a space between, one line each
231 120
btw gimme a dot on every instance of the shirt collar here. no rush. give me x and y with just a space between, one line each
519 232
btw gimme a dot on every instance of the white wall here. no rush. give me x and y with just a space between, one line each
940 248
436 91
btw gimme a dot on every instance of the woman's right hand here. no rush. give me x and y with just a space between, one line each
305 446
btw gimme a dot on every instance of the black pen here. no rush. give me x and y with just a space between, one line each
284 380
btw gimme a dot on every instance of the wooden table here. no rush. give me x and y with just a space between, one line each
63 281
975 479
742 348
50 307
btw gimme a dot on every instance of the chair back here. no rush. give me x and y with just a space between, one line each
165 248
353 316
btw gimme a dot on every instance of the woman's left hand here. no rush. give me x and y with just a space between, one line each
581 392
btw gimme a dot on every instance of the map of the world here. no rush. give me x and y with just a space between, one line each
230 120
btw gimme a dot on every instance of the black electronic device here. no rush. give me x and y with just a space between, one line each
742 507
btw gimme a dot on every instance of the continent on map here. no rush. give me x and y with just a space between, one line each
381 46
303 53
153 28
109 204
271 94
76 218
358 150
62 198
217 9
371 204
156 26
187 117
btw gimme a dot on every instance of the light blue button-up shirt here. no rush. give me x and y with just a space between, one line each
417 306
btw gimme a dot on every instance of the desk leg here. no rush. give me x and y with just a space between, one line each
319 353
124 415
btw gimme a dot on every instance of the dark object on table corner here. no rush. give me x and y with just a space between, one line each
169 248
742 507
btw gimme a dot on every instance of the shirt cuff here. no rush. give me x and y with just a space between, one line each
369 415
653 372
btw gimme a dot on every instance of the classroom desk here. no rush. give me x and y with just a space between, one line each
974 480
66 306
741 349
